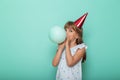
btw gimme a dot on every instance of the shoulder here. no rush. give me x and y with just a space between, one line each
81 48
81 51
82 45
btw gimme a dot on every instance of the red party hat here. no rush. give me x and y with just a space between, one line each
79 22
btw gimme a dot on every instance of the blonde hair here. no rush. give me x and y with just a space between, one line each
79 31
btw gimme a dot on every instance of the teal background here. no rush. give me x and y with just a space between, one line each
26 52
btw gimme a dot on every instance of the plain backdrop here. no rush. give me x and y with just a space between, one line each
26 52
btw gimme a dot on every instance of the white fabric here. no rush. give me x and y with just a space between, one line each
64 72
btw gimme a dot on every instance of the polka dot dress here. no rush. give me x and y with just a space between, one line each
64 72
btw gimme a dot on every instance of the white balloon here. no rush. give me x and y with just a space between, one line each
57 34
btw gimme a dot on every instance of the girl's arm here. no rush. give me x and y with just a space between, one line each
56 59
72 60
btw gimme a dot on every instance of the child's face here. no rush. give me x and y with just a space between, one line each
71 33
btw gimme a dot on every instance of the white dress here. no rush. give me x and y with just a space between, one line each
64 72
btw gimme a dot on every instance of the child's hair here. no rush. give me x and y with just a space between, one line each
79 31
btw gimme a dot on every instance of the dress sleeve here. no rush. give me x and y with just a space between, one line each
82 46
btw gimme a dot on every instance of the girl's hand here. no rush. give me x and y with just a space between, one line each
61 45
68 41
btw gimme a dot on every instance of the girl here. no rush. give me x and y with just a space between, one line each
70 54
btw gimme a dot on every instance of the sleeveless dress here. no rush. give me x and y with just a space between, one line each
64 72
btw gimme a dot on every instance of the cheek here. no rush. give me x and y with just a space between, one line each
71 36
